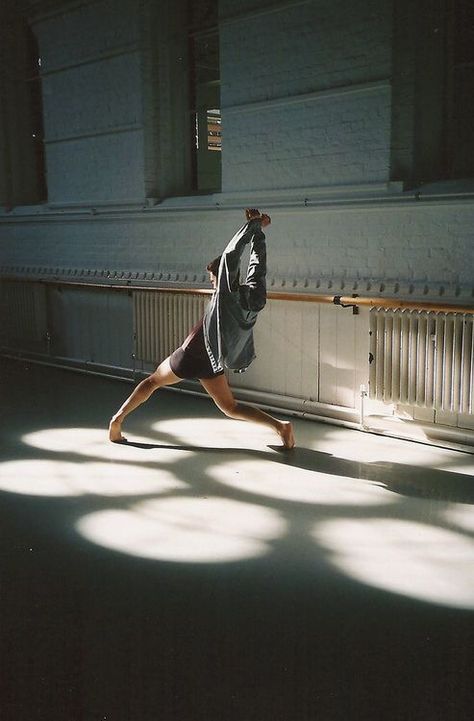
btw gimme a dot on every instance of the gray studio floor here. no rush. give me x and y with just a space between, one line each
199 572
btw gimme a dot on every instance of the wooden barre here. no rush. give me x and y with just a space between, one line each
271 295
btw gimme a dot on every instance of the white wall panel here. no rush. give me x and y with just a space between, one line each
343 342
286 343
88 325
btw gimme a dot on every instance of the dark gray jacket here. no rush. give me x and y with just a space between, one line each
232 312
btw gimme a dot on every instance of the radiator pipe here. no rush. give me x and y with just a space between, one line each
363 396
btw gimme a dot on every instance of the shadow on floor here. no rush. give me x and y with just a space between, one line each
400 478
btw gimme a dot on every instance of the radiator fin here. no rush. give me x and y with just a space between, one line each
162 321
422 358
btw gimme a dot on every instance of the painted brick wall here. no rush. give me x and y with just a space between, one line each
411 250
90 63
280 50
324 49
323 142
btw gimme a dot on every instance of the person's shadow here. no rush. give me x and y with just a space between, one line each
401 478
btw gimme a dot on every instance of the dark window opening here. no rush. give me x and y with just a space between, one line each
34 95
460 90
206 134
433 91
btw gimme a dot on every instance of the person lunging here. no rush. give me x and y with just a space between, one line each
223 338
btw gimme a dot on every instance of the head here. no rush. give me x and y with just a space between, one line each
213 270
266 220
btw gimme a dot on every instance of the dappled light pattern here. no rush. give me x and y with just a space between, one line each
192 530
301 485
62 478
214 490
93 442
413 559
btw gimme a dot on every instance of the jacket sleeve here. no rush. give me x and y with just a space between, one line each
254 293
229 272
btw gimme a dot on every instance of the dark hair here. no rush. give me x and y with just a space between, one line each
213 266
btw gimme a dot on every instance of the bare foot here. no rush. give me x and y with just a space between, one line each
287 435
115 432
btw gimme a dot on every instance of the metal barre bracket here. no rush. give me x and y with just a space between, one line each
337 301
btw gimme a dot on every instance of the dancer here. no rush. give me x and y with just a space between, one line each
222 338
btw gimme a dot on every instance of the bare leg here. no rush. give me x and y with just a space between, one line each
163 376
219 390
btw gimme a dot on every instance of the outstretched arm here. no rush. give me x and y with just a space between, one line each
230 263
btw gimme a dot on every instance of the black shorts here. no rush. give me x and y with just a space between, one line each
187 366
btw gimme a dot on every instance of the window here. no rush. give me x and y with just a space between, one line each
23 178
433 91
205 95
214 135
460 90
35 102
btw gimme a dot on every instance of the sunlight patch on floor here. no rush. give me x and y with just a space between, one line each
93 442
368 448
291 483
417 560
189 530
216 432
62 478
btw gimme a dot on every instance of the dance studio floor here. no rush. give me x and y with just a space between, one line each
200 573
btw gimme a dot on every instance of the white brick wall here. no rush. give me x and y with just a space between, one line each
410 249
325 141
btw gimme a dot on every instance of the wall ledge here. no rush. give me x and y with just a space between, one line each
382 84
336 198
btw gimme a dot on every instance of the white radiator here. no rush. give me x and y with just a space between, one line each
422 358
162 321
